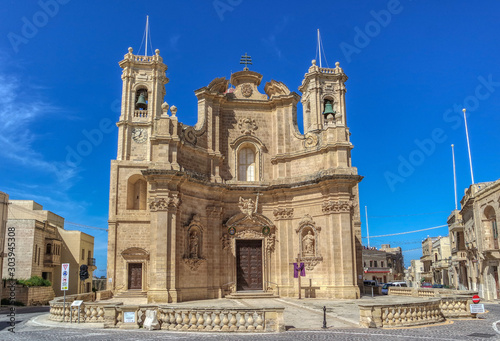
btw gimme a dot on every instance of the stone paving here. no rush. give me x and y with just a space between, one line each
303 318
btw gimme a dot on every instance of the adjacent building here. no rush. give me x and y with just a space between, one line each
383 265
479 222
441 260
42 245
230 204
415 270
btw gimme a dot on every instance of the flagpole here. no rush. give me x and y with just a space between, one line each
367 230
319 49
468 146
147 29
454 175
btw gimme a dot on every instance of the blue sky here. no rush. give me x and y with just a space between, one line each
412 67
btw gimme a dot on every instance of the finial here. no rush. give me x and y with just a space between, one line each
173 110
246 59
313 62
463 110
130 50
165 107
157 51
337 64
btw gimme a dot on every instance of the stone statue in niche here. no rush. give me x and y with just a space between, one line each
308 244
193 244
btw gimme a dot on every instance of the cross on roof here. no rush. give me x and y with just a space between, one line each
246 60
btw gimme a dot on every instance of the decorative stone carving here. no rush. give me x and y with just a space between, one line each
190 135
308 242
247 206
283 213
311 140
246 90
194 239
271 243
163 204
226 242
249 234
219 85
247 126
333 206
275 88
193 263
214 211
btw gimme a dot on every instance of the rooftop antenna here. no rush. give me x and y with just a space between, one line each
468 146
454 175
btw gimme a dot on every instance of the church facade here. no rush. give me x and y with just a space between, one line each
229 204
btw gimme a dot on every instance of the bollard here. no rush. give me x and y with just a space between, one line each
324 317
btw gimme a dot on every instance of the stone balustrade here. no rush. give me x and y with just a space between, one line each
455 306
430 311
174 318
400 315
429 292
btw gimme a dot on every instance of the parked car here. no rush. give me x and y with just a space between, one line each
436 285
426 285
399 284
385 288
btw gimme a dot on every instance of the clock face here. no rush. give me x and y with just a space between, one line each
139 135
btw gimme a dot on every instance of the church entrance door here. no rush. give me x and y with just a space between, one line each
135 276
249 264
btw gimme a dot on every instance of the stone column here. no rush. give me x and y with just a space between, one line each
162 274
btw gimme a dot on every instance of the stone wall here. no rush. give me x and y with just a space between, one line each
31 295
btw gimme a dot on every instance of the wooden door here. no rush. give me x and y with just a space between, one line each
135 276
249 264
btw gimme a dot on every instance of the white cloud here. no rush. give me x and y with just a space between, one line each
17 112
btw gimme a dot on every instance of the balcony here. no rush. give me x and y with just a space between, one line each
372 270
52 260
91 262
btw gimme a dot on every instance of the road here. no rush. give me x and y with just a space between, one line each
484 328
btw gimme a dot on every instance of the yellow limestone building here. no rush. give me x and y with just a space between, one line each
228 205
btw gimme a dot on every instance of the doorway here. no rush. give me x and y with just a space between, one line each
135 276
249 265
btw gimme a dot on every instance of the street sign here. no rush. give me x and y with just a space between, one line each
64 276
476 299
477 308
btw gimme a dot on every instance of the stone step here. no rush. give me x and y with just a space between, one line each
131 294
251 295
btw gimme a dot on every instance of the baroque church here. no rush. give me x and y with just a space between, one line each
227 206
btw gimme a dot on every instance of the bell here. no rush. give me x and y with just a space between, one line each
141 102
329 109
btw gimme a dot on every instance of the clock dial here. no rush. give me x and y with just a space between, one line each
139 135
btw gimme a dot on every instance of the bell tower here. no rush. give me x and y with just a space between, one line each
323 97
143 91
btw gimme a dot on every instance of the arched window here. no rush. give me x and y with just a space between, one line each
246 164
491 218
136 193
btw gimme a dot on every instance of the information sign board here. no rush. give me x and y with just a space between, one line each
477 308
